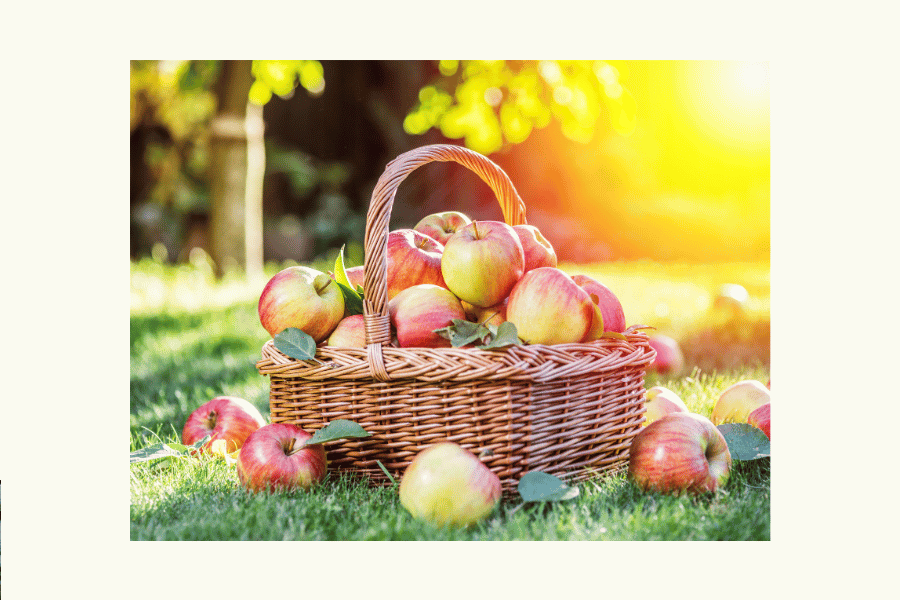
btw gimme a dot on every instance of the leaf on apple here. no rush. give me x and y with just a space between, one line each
338 429
745 442
296 343
502 336
536 486
461 332
613 335
352 297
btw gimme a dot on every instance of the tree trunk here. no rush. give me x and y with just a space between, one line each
236 174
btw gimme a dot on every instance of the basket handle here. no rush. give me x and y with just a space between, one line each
375 303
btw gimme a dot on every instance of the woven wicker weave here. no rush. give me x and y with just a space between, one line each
570 410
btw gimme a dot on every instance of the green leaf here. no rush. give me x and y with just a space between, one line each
462 332
352 297
338 429
340 274
296 343
536 486
745 442
506 335
152 453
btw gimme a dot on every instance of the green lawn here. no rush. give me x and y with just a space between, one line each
193 338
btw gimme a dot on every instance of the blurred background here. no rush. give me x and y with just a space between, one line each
651 175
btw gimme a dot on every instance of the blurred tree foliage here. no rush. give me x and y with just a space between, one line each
494 104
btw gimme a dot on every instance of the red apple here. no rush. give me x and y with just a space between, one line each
446 484
442 225
607 302
274 458
304 298
679 452
417 311
492 315
412 258
669 358
737 402
482 262
761 418
349 333
228 419
537 250
548 307
659 402
355 276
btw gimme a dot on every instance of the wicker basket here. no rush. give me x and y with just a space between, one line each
570 410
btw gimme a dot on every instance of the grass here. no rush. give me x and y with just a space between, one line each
193 338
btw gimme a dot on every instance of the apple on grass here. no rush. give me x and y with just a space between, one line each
669 358
607 302
659 402
737 401
681 452
418 310
761 418
482 262
274 458
538 252
412 258
548 307
304 298
441 226
349 333
229 420
446 484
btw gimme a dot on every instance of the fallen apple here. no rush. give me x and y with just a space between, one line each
681 452
301 297
548 307
229 420
762 418
349 333
274 458
418 310
538 252
607 302
659 402
412 258
442 225
482 262
446 484
669 358
737 401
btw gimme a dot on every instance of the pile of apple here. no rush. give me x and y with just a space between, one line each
450 268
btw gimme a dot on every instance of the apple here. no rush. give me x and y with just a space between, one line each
349 333
492 315
732 299
274 458
418 310
669 358
482 262
737 401
446 484
548 307
537 250
355 276
659 402
304 298
442 225
412 258
761 418
607 302
228 419
679 452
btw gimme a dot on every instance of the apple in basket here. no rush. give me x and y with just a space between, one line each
355 276
446 484
418 310
349 333
548 307
761 418
442 225
274 458
229 420
736 403
607 302
412 258
492 315
681 452
669 358
304 298
537 250
659 402
482 262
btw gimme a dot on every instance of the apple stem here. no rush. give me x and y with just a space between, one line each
475 230
211 419
290 447
327 283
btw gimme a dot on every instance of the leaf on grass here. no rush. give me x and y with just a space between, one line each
296 343
338 429
505 335
462 332
152 453
537 486
745 442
